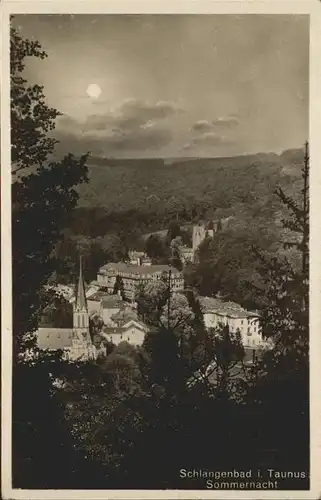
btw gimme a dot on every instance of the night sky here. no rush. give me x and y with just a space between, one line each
176 85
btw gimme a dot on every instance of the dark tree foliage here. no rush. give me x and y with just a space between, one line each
156 248
282 376
174 230
285 315
198 396
58 313
96 324
151 300
119 287
31 118
42 448
43 193
95 251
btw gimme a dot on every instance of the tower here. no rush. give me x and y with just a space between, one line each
198 236
80 313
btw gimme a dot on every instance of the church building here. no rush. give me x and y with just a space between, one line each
76 342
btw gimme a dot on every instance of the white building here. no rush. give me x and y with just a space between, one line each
216 312
133 332
133 276
109 306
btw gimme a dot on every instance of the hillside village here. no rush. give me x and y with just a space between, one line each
109 305
159 331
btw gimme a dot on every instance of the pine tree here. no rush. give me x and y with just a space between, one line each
280 387
285 297
298 223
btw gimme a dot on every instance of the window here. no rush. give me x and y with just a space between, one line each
241 322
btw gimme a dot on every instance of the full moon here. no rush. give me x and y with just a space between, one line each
93 90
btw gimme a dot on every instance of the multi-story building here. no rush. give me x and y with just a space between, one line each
132 276
216 312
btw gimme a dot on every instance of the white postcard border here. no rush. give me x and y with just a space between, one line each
312 8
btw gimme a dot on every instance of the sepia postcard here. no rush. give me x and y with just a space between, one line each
160 241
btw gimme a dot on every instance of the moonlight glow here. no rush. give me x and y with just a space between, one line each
93 90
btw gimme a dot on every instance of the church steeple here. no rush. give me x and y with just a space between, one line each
81 302
81 316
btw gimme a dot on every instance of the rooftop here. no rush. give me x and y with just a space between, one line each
219 306
110 330
120 330
54 338
133 269
213 302
135 322
111 301
97 296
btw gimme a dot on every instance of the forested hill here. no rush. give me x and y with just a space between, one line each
126 199
119 185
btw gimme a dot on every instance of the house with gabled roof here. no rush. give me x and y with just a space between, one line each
133 332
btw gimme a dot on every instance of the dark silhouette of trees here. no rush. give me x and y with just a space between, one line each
282 376
96 324
58 313
156 248
150 300
43 193
285 315
119 287
174 230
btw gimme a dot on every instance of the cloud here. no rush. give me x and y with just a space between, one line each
141 139
208 140
227 122
201 126
211 138
129 115
147 111
134 125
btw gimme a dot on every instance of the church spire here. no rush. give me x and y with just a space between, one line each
81 302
